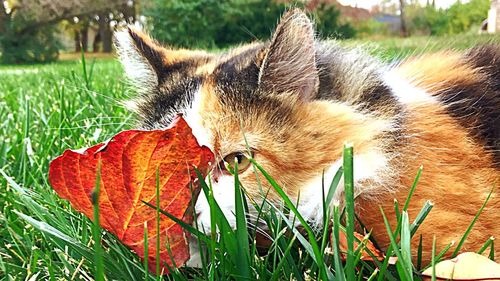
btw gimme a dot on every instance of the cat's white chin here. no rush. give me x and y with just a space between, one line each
223 191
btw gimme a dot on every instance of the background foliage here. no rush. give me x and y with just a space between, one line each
458 18
34 45
218 24
30 32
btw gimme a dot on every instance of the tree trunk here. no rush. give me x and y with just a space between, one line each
130 11
78 46
3 18
404 31
84 35
105 33
97 40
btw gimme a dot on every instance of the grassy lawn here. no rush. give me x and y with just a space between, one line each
397 48
45 109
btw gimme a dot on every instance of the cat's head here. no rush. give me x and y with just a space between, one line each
259 100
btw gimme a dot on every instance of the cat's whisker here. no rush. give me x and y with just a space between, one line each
259 230
87 126
125 118
106 96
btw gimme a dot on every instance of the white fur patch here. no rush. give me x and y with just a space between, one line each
139 72
405 91
366 166
224 195
193 118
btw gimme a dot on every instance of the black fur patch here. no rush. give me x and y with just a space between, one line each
477 106
170 98
372 95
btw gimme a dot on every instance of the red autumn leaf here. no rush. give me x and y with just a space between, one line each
129 163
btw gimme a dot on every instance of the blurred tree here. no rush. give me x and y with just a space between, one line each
427 20
105 33
218 24
327 19
27 26
24 45
404 31
39 45
191 23
35 13
79 28
462 17
386 7
458 18
373 28
3 17
248 21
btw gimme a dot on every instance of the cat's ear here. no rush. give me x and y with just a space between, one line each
142 58
290 62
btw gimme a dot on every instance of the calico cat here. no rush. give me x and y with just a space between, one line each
297 100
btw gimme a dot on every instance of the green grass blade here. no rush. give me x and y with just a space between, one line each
412 189
441 254
84 71
333 186
203 237
62 241
419 253
318 256
444 251
243 260
398 216
373 275
98 260
464 237
486 245
492 251
277 269
406 243
404 274
146 251
339 269
421 217
433 259
349 209
158 246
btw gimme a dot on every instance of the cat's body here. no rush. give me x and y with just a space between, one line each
298 100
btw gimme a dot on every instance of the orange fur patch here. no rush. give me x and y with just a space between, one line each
457 178
439 71
458 173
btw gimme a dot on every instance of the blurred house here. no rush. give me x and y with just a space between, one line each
493 24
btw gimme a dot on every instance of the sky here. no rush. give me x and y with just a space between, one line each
367 4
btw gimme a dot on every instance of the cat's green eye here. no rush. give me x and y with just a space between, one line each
239 157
